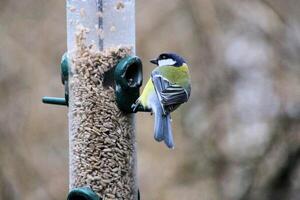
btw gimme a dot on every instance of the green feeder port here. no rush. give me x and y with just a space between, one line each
128 77
83 193
64 66
86 193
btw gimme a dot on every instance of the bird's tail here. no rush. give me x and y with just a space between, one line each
162 127
158 124
168 135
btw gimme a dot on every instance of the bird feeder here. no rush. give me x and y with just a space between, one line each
102 77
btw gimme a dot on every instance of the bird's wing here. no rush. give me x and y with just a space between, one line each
169 95
174 94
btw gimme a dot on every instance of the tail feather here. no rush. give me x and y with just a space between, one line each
158 124
167 129
162 124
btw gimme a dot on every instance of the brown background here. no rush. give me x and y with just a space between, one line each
237 138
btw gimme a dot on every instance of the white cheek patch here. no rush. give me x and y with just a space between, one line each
165 62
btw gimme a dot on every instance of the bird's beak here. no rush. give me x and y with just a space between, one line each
154 61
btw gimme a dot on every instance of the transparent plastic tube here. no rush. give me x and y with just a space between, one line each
101 137
111 23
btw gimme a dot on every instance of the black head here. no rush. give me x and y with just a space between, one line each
168 59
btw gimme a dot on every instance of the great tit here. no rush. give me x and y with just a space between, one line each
168 87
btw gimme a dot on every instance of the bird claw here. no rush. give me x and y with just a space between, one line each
134 107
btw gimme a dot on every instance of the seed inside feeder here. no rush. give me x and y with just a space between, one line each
120 5
102 141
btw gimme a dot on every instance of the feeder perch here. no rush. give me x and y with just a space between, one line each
64 68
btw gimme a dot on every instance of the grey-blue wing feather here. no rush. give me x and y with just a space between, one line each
174 94
160 84
170 95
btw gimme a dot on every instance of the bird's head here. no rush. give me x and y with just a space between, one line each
168 59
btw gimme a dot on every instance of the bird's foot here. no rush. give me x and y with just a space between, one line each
134 107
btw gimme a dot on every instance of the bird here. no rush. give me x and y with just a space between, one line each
169 86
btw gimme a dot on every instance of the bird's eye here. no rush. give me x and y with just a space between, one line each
164 57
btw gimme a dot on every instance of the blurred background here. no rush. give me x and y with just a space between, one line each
239 136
